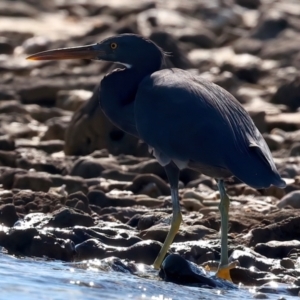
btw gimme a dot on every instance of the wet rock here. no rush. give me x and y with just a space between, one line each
248 276
90 249
47 245
277 249
33 181
279 288
287 263
67 217
291 199
8 215
141 252
80 201
159 233
248 258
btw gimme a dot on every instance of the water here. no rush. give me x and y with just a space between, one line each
29 279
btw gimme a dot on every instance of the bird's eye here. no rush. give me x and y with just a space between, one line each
113 46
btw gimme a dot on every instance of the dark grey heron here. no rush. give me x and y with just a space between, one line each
187 121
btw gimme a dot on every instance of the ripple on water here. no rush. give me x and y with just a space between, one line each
30 279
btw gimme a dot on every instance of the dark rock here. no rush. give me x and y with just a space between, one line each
252 4
276 249
141 252
270 25
5 46
47 245
287 263
67 217
8 158
285 230
141 181
8 215
90 130
91 249
292 89
159 233
250 277
248 258
56 128
167 42
6 143
33 181
247 45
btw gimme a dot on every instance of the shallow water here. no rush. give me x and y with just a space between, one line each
40 279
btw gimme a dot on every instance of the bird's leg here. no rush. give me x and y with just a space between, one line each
224 268
173 176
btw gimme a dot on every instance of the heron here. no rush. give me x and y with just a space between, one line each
186 120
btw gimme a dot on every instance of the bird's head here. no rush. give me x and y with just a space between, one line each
130 50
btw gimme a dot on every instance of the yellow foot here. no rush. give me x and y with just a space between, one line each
224 271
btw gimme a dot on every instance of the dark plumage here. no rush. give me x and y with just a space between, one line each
186 120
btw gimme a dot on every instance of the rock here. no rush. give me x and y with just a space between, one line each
35 44
5 46
72 100
90 130
159 233
291 199
17 9
8 215
287 263
295 149
282 230
285 121
139 182
141 252
252 4
67 217
292 89
274 141
169 43
57 127
271 23
247 45
6 143
47 245
33 181
277 249
90 249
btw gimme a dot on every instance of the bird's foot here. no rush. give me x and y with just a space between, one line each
224 271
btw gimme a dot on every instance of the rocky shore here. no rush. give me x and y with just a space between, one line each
74 187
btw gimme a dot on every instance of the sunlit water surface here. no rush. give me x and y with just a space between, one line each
40 279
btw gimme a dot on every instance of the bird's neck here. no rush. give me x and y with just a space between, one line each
117 94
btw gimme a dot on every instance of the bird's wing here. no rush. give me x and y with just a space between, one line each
191 119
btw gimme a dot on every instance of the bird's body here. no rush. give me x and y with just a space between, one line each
186 120
210 131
